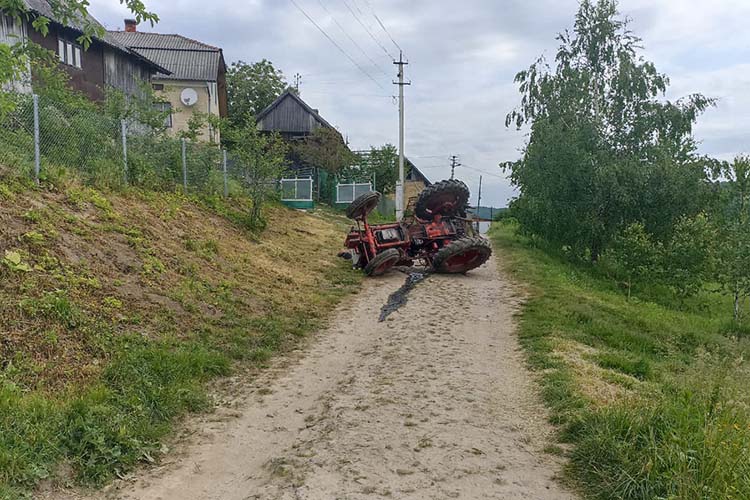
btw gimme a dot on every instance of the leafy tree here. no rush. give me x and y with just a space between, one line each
636 255
382 165
604 150
260 160
379 164
325 149
733 255
688 258
251 88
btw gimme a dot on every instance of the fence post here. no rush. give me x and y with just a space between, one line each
226 181
124 132
37 153
184 166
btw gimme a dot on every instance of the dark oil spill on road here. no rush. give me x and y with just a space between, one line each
399 298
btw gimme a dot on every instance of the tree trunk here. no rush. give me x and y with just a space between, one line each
736 306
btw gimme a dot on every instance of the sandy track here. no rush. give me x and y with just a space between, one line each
433 403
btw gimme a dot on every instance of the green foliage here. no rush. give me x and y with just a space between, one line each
691 441
635 255
251 88
733 245
379 165
260 159
15 58
605 151
687 262
14 261
67 11
677 425
325 149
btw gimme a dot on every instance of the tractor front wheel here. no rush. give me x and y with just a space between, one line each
382 262
462 256
363 205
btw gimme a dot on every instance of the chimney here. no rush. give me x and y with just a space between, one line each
131 25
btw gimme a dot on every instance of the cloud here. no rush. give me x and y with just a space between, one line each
463 57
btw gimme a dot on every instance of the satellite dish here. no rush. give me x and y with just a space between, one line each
189 97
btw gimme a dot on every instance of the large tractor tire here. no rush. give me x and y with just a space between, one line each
447 198
382 262
462 255
363 205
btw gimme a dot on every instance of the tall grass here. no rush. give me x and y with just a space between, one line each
651 391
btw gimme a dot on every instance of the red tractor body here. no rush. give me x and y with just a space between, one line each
437 235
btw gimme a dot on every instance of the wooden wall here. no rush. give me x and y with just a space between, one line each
289 117
124 73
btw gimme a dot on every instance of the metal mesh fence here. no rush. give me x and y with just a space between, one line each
17 136
39 136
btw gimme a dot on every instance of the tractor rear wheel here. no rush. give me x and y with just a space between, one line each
446 198
363 205
462 255
382 262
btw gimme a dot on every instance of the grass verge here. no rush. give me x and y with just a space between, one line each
117 308
653 395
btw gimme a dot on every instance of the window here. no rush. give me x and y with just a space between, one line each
69 53
158 86
165 107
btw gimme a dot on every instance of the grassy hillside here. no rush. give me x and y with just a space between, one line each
652 394
116 308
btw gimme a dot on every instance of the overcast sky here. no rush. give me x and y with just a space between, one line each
463 56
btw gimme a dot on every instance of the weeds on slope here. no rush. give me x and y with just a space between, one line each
116 309
653 395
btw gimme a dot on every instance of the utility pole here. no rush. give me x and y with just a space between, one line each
479 201
454 164
297 82
400 183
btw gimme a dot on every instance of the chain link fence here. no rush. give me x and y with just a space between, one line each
39 137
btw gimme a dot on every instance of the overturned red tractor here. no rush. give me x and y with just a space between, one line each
434 233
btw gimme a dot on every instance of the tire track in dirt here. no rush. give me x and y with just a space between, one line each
434 403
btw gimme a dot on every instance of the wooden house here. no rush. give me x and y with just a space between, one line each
106 63
294 120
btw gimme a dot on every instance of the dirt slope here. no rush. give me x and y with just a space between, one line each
100 266
433 403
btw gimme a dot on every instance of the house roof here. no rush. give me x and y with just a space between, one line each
415 172
185 58
79 23
290 94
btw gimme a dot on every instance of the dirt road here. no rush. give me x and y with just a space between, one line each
434 403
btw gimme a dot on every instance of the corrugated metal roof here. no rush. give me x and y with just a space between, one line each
145 40
185 58
185 64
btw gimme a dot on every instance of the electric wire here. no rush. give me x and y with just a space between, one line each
359 20
336 44
375 15
346 33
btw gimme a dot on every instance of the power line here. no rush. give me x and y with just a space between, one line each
336 44
485 172
368 30
375 15
352 39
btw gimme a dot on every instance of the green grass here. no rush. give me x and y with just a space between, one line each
123 372
106 429
652 392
